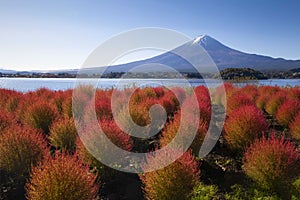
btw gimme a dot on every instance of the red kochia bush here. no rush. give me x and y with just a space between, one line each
62 177
19 149
168 105
202 93
93 138
237 100
159 91
295 127
175 181
250 91
6 120
176 96
287 112
103 108
40 115
273 163
103 104
182 127
9 99
204 103
243 126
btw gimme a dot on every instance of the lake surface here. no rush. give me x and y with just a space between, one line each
30 84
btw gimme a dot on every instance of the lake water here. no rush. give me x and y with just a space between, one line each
30 84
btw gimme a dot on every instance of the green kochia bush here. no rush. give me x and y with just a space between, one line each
204 192
273 163
250 193
175 181
62 177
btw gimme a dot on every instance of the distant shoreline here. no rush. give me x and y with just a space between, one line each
229 74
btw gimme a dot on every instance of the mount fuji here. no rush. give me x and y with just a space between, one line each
223 56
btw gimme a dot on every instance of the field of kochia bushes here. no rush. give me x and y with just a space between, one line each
256 157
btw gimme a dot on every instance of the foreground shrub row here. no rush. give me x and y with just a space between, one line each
41 151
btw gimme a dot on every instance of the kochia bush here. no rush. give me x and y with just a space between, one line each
237 100
273 103
261 101
6 120
223 92
9 99
295 127
40 115
175 181
251 91
21 148
294 92
62 177
243 126
182 127
93 138
63 134
264 94
287 112
183 131
273 163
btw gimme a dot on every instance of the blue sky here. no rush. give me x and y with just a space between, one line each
61 34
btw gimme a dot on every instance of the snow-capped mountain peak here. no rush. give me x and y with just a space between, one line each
201 40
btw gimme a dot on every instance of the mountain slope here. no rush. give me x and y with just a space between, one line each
223 56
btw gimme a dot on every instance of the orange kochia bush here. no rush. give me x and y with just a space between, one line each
182 127
295 127
264 94
62 177
9 99
287 112
7 120
176 181
275 101
244 125
272 162
20 148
